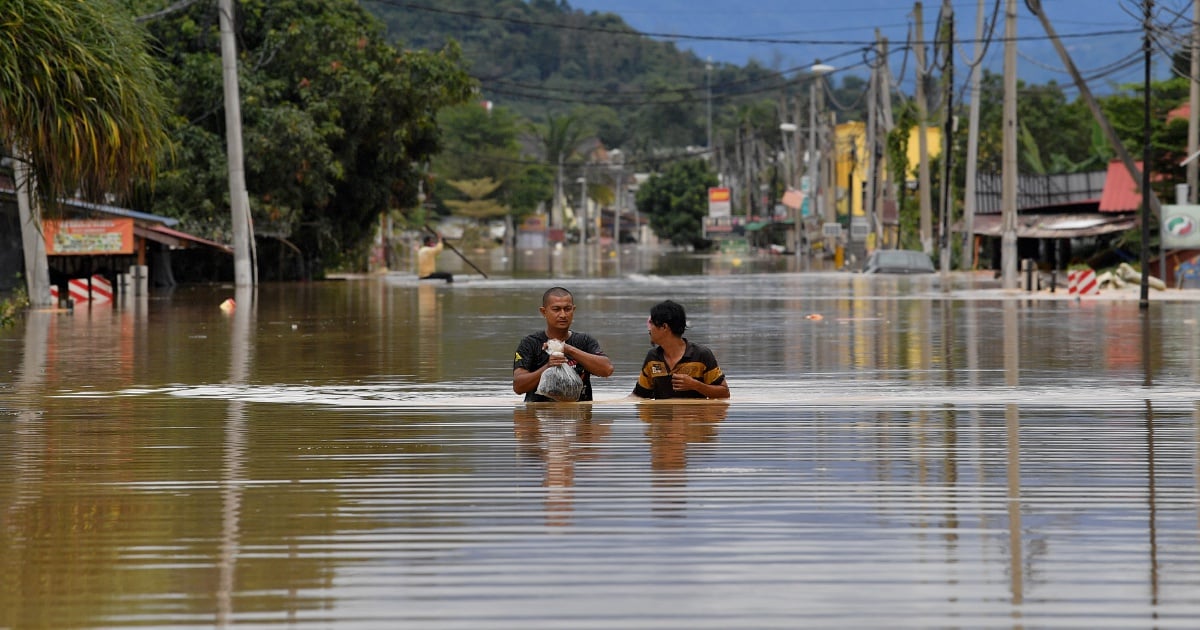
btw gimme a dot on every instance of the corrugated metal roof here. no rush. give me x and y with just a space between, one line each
1121 193
79 204
1056 225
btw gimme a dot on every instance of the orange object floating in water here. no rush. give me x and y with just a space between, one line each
814 316
228 305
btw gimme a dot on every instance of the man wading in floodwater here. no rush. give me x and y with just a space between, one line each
676 367
580 351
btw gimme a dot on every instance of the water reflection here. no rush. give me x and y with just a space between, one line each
233 456
351 455
672 429
558 436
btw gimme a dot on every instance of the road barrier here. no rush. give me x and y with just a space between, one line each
1082 282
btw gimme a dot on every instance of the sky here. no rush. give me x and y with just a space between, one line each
1104 37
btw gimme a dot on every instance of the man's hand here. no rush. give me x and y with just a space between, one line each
683 383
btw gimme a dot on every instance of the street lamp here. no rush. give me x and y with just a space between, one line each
789 150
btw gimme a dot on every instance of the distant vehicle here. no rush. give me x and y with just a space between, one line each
899 261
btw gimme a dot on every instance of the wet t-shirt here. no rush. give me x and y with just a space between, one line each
697 362
531 356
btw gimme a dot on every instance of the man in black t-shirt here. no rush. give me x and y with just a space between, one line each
580 351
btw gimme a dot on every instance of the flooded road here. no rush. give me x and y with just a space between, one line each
897 453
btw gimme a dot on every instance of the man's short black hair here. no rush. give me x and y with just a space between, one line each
671 314
556 292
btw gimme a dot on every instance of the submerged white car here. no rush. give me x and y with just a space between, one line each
901 261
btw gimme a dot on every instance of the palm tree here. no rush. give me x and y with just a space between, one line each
560 138
83 110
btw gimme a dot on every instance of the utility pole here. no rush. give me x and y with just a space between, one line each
1193 140
1086 94
885 80
947 135
583 221
972 146
926 201
239 201
708 85
872 162
1147 153
557 215
1008 172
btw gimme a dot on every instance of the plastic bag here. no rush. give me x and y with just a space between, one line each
560 382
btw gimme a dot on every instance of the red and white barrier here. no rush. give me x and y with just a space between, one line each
101 289
96 289
78 289
1082 282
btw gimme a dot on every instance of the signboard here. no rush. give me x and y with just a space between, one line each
719 202
534 223
831 230
1180 227
88 237
793 198
859 229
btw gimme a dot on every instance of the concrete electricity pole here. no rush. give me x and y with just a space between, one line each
1008 171
888 192
1086 94
923 180
239 202
972 146
1193 139
947 136
869 196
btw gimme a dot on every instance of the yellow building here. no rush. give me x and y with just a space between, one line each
850 155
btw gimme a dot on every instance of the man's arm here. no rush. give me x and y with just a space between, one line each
683 382
525 381
597 364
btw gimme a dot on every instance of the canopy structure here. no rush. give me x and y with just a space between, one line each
1076 225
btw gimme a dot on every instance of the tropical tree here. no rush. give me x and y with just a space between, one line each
83 110
338 124
676 202
482 143
559 138
478 204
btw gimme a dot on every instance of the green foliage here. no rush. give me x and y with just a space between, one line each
336 122
83 98
11 306
676 202
482 145
477 205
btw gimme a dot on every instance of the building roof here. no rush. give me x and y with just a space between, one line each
1075 225
1121 193
79 204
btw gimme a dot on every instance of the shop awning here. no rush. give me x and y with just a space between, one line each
1055 225
175 238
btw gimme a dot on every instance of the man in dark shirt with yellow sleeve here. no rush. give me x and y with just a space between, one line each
676 367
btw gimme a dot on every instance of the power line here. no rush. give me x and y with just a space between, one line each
713 38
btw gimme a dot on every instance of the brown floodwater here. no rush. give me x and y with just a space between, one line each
898 452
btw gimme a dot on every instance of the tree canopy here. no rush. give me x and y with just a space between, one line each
83 99
338 122
677 202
